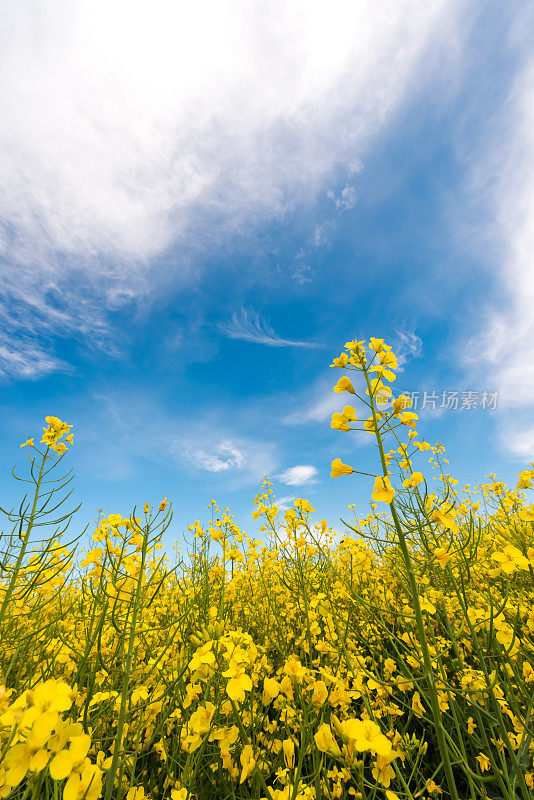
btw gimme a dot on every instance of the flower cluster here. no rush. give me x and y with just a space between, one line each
40 737
54 431
392 659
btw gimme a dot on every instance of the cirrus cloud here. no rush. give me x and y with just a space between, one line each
301 475
133 127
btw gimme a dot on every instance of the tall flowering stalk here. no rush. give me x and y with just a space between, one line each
424 516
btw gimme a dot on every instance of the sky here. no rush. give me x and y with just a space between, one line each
200 203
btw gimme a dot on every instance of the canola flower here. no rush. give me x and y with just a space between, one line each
392 659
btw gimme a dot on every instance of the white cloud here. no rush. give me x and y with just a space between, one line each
130 127
504 346
243 460
516 433
325 401
24 358
283 503
300 475
219 458
319 410
409 346
186 439
249 326
303 274
346 200
321 234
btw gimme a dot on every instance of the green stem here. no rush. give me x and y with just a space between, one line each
14 574
429 673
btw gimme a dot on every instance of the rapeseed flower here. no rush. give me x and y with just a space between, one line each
414 480
383 490
344 385
248 763
510 559
338 468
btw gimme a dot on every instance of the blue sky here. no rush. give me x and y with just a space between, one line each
198 207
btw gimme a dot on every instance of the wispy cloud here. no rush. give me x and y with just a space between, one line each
345 200
283 503
119 142
27 359
303 274
249 326
409 346
517 435
503 344
301 475
218 458
189 441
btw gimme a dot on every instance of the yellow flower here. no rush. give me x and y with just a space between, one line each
445 520
369 424
32 754
379 389
400 403
200 720
341 361
339 422
67 761
471 726
92 557
383 490
271 690
339 468
383 772
441 556
248 762
383 372
203 655
350 413
417 706
85 783
52 695
408 418
485 763
237 686
59 447
28 442
510 559
136 793
525 479
344 385
145 509
378 345
527 514
320 693
388 359
414 480
163 504
179 794
356 347
54 432
325 741
365 735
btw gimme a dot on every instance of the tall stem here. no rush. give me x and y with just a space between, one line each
14 574
434 702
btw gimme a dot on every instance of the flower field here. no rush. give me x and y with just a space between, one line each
392 658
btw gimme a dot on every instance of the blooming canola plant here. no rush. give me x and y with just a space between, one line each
395 662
